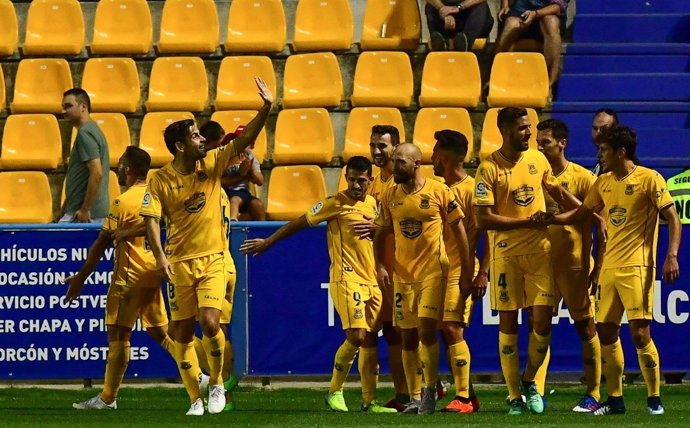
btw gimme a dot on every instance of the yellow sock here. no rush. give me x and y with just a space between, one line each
368 366
612 364
169 346
118 359
341 366
429 356
201 355
460 366
395 361
510 363
591 357
215 348
189 368
413 373
228 360
648 358
540 377
536 352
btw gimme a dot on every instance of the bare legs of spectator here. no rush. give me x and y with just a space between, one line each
551 29
235 203
512 29
256 210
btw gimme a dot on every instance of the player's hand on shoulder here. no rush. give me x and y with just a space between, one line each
254 246
671 270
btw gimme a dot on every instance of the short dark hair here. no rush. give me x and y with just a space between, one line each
452 141
620 137
81 95
212 131
358 163
177 132
611 112
559 130
387 129
138 160
508 115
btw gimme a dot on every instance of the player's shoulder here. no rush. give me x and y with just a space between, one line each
535 156
580 172
647 172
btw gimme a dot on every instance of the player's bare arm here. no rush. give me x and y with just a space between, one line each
76 281
126 232
563 198
466 261
365 229
487 219
481 280
576 215
671 270
257 246
153 234
382 275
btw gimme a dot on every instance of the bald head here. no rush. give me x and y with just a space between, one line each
409 151
406 160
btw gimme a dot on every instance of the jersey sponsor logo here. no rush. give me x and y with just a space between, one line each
316 208
564 184
411 228
480 189
347 268
147 200
451 206
617 215
195 203
202 176
503 244
424 204
532 169
523 195
659 193
629 189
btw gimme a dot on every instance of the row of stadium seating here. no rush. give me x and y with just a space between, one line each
382 79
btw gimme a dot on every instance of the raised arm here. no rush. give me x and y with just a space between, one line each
76 281
254 127
257 246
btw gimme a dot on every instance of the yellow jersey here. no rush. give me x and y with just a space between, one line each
191 205
463 191
352 258
516 190
378 186
566 241
631 208
417 220
225 215
134 264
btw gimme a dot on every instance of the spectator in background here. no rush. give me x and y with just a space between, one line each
534 19
463 21
603 118
86 181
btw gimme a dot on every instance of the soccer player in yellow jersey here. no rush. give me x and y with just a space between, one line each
632 198
417 209
448 157
509 198
571 256
187 193
135 290
353 287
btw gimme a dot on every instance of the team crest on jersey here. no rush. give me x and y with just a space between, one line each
316 208
523 195
195 203
410 227
147 200
424 204
617 215
358 314
532 169
629 189
480 189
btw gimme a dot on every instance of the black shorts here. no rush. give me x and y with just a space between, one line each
244 194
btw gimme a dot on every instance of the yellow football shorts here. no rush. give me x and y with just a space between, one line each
456 309
522 281
358 305
572 285
197 283
418 300
629 289
125 304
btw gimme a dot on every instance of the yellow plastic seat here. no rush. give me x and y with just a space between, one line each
293 190
3 99
54 27
391 25
450 79
178 84
236 88
303 135
112 84
189 26
342 182
151 135
256 26
432 119
30 142
312 80
323 25
25 198
359 124
122 27
116 132
518 79
231 119
491 136
9 36
39 85
113 186
382 79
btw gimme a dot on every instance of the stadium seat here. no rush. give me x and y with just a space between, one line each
178 84
491 136
518 79
342 182
113 186
312 80
256 26
112 84
450 79
231 119
39 85
122 27
151 135
9 36
303 135
391 25
116 132
292 190
432 119
189 26
359 124
382 79
323 25
54 27
25 198
236 88
3 97
30 142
